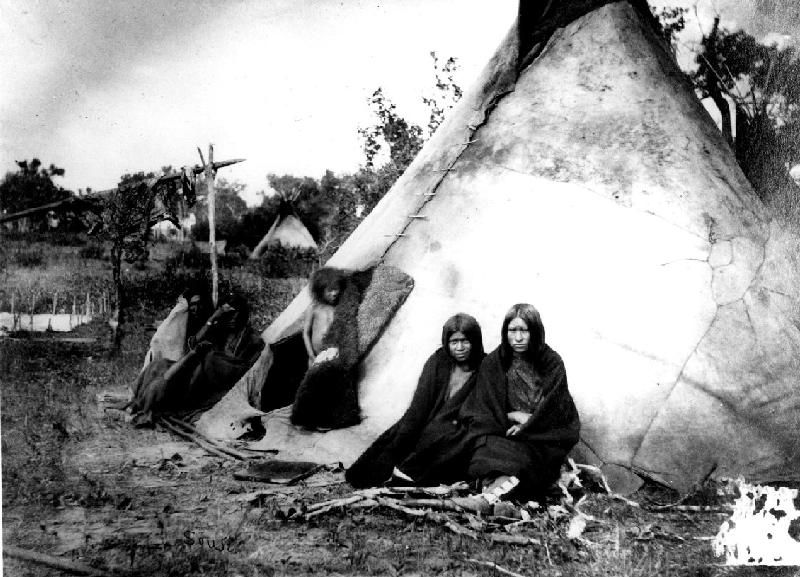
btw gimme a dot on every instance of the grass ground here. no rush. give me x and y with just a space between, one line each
82 484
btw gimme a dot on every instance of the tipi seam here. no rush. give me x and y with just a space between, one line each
657 413
429 195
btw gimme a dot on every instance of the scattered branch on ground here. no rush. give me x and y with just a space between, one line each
51 561
213 442
392 498
196 439
496 567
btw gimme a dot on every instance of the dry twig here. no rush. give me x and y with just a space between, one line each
214 443
321 508
496 567
430 515
51 561
440 504
190 437
455 527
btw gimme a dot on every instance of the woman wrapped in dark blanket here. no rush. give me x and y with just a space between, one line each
521 418
428 445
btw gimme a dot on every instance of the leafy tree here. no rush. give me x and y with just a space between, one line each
307 200
404 139
230 207
671 21
333 206
764 82
228 201
252 227
129 211
350 198
446 92
30 186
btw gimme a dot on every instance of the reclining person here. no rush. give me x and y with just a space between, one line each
220 353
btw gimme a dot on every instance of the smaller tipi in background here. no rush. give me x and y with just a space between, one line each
287 230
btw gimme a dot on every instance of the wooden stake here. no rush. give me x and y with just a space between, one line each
212 233
55 302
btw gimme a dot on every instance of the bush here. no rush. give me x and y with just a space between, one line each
282 262
55 237
66 238
92 251
191 258
30 257
155 290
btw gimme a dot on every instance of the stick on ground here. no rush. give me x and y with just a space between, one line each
51 561
232 452
190 437
496 567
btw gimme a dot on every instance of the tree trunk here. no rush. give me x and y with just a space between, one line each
119 313
724 108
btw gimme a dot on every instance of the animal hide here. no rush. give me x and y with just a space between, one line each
327 396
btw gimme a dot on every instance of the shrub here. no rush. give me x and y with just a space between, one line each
66 238
30 257
92 251
282 262
191 258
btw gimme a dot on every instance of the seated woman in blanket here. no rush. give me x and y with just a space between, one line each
219 354
521 417
427 445
171 340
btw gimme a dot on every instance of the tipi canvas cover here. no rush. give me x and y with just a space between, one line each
582 175
288 231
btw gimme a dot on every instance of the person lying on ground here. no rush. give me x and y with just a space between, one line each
521 418
220 353
427 446
326 288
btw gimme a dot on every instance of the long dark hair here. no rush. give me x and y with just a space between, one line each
241 305
533 320
204 307
322 279
464 323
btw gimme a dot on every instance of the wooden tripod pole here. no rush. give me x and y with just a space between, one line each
212 232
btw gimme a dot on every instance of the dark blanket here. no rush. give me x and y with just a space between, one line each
222 368
198 380
534 455
427 443
327 396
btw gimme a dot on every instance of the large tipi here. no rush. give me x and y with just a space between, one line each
581 174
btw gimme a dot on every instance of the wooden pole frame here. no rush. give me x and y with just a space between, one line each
212 232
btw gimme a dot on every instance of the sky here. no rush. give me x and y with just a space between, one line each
106 87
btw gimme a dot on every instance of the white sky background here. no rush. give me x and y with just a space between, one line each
105 87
